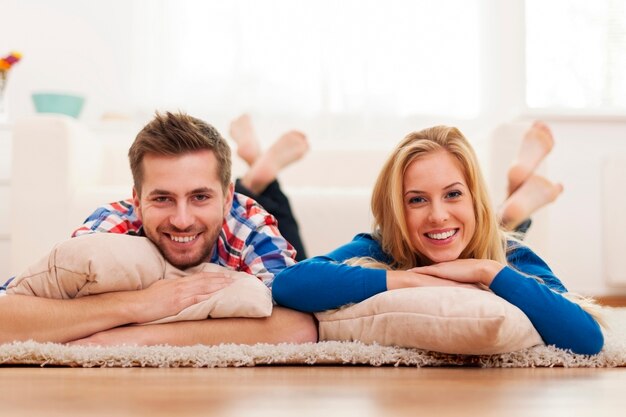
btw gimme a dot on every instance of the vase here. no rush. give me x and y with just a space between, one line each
3 99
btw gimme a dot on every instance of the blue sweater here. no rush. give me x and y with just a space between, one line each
323 283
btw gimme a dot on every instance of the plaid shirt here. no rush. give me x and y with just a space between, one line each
249 240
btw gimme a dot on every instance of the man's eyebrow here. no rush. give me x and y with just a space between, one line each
200 190
160 192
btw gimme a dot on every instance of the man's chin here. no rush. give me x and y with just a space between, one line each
185 262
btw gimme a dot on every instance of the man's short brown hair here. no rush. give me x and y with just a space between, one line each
173 134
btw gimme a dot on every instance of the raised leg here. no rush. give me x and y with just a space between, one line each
289 148
242 132
537 143
534 193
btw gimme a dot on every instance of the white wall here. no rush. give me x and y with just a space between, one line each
5 175
71 46
580 243
580 237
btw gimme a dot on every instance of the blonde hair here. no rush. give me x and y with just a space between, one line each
387 198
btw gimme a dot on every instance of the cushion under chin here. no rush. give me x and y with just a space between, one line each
443 319
106 262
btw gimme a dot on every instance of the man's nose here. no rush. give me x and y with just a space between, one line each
183 217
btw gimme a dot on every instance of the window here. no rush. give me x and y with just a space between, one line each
397 58
576 54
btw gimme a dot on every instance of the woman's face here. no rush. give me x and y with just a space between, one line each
438 207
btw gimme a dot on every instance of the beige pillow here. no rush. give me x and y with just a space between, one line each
105 262
443 319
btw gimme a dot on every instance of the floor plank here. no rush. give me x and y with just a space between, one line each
312 391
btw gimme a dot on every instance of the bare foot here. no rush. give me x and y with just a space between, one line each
537 143
242 132
534 193
289 148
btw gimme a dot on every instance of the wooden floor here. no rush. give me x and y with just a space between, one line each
312 391
612 300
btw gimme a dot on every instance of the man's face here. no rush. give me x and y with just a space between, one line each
182 205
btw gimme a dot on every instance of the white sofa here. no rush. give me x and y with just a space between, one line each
62 171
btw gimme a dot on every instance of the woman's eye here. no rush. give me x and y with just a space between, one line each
454 194
416 200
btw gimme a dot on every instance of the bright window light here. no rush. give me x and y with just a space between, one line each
576 54
395 57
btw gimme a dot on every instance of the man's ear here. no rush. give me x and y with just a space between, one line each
137 203
228 198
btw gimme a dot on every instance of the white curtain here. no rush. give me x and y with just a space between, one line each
576 54
395 58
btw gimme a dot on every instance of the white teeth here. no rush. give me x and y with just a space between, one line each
183 239
441 236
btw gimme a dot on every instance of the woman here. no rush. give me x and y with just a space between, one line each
434 225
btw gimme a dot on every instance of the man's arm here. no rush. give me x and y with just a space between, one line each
283 326
50 320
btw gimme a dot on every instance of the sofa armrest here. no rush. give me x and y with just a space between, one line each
52 157
613 220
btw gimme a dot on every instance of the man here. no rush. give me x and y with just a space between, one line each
184 202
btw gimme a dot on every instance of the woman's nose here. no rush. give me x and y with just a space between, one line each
438 213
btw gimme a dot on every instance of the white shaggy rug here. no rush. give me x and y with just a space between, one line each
323 353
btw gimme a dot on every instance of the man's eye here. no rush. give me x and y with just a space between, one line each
160 199
201 197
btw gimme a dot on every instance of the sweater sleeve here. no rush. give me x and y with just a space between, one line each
323 282
559 321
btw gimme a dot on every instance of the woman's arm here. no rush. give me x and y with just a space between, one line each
320 283
559 321
323 282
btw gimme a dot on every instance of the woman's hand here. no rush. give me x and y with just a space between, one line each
407 279
474 271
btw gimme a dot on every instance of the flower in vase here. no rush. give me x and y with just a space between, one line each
7 62
5 65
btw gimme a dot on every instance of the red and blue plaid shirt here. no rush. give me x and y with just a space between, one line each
249 240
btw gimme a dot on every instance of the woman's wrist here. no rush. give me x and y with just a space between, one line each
399 279
490 270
